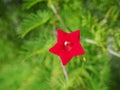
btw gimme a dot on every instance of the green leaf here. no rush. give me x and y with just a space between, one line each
29 3
33 21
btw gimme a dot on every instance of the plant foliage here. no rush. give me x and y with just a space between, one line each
27 35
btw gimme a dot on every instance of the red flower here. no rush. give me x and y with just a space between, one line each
67 46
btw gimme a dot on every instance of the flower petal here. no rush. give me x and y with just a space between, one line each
61 36
77 49
74 36
66 57
57 49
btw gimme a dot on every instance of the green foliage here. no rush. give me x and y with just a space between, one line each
29 3
26 64
34 20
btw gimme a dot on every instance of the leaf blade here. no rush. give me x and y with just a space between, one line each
33 21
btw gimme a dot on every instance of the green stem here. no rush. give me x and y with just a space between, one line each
58 16
63 67
65 72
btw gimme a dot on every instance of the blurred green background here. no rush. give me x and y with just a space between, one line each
27 32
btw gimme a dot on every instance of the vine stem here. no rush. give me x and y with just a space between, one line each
63 67
65 72
58 16
54 32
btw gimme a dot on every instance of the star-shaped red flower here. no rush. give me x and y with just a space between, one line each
67 46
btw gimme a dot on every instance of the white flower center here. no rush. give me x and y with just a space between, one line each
68 45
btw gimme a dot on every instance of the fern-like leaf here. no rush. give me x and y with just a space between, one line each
29 3
33 21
